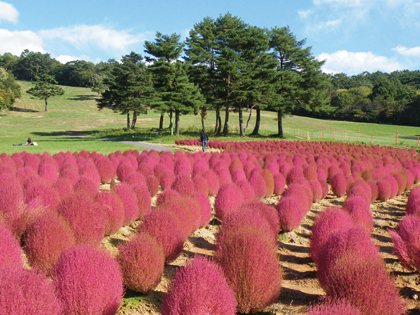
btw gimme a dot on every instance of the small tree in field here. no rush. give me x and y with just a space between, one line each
45 88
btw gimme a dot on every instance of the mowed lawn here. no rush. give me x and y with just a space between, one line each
75 113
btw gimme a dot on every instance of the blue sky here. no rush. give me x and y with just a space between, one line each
351 35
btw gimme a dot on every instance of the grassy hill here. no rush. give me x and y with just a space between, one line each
75 113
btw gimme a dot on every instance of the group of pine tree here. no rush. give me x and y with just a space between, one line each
223 65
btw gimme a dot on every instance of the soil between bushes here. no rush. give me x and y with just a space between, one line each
300 286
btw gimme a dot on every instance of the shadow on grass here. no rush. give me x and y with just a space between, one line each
82 98
23 110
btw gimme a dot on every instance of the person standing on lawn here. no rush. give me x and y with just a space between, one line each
203 139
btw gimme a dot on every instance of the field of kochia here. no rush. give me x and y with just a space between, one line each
57 209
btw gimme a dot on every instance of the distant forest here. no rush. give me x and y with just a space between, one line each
235 67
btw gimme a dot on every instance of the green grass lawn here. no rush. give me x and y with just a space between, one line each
75 113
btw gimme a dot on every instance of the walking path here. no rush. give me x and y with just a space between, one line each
145 145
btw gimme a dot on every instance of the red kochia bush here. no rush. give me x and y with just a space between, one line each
316 188
46 239
141 260
11 195
130 202
48 172
144 200
205 208
166 196
366 285
64 188
135 178
200 184
269 182
164 226
84 217
228 200
339 184
112 210
199 288
413 202
105 169
406 239
212 181
327 222
124 169
88 281
42 195
359 210
354 241
384 189
333 307
279 183
184 185
362 189
290 212
257 182
10 252
247 190
27 292
250 264
166 180
86 185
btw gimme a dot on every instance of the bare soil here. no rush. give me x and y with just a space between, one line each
300 286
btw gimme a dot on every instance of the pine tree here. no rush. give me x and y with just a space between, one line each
300 80
45 87
129 88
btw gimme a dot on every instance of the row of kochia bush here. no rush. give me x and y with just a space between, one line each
54 206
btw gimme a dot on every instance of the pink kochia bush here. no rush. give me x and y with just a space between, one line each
327 222
291 213
205 208
359 210
164 226
228 200
365 284
406 239
88 281
413 202
129 200
144 199
333 307
46 239
250 264
354 241
339 184
27 292
184 185
199 288
141 260
84 217
112 210
10 252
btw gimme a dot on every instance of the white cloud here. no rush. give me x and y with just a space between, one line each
357 62
408 52
8 12
65 58
305 14
15 42
95 35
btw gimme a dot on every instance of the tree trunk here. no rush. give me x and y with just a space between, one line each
226 127
241 122
257 121
161 122
171 125
46 104
133 123
203 124
219 130
280 123
218 120
128 120
177 122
